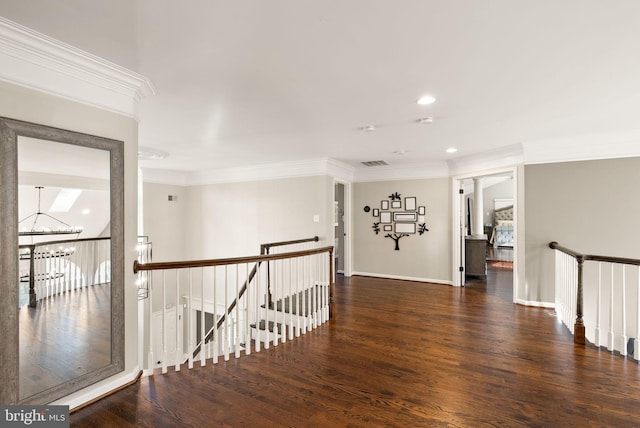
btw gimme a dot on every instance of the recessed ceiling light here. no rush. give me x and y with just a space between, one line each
369 128
426 100
426 120
452 150
399 152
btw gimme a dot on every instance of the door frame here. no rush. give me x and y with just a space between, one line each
348 241
457 237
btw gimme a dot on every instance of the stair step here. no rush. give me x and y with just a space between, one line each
262 325
296 307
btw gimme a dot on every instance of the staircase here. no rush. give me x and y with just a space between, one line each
223 301
291 316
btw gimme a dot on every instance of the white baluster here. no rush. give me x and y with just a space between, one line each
598 336
236 324
636 344
298 298
623 350
290 294
164 321
190 345
611 334
177 354
258 295
203 345
151 363
247 330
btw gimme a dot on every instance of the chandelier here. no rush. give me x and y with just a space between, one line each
62 229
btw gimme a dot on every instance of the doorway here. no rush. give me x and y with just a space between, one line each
339 228
485 247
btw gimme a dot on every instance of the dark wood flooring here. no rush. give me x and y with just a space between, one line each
398 354
65 336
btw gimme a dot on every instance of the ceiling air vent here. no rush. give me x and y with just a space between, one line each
374 163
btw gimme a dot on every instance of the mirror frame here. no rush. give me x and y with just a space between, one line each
10 130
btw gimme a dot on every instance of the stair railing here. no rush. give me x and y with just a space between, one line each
53 267
606 303
221 304
294 245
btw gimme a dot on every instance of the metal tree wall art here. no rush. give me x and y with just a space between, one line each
398 220
396 237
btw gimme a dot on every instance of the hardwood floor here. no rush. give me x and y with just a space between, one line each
399 354
65 336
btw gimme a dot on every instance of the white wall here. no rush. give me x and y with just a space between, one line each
28 105
421 257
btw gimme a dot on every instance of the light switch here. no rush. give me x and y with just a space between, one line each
316 218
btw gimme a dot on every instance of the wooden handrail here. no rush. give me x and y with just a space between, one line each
592 257
137 266
64 241
264 248
579 334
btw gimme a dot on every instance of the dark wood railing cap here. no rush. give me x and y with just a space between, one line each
231 261
582 257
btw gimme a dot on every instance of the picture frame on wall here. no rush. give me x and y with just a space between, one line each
385 217
396 204
410 203
384 205
421 210
405 228
405 217
376 212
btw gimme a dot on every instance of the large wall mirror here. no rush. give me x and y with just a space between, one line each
62 281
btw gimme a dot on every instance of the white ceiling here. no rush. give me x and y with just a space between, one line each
257 82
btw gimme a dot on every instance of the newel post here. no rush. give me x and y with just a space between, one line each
578 328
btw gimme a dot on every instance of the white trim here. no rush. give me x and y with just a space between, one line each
164 176
274 171
588 147
92 392
36 61
490 159
403 278
348 225
457 258
410 171
547 305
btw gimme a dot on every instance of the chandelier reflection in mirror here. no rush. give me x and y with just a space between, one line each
60 228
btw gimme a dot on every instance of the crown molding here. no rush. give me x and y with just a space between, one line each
411 171
39 62
586 147
490 160
165 176
307 168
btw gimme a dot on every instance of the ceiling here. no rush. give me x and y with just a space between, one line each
254 82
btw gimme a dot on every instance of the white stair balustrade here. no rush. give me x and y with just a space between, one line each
205 310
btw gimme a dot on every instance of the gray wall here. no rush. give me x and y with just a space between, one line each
164 221
589 206
233 219
426 257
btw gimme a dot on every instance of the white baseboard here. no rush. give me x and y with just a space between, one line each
547 305
93 392
403 278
